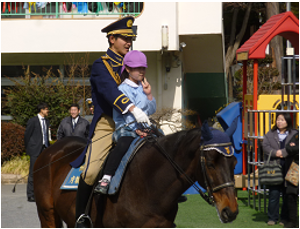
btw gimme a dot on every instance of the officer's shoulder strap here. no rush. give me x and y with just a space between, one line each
104 57
110 70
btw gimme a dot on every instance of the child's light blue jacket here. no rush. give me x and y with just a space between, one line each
136 94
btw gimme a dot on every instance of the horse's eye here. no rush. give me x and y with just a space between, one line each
210 165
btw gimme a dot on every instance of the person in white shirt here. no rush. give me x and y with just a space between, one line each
36 139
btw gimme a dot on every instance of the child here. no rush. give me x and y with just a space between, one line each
136 87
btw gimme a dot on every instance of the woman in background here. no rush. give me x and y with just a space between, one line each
274 143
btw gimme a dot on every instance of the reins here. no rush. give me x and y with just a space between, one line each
153 139
208 198
81 148
177 167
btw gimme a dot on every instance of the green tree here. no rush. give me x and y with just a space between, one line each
241 21
58 93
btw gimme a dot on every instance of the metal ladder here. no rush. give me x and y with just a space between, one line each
254 156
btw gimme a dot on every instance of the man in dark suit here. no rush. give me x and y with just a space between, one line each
36 140
73 125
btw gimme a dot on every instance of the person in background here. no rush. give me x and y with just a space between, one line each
292 191
274 143
36 140
90 105
136 87
73 125
105 78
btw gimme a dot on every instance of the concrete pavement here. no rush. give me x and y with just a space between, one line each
12 178
16 211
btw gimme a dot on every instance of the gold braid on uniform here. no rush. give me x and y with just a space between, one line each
110 70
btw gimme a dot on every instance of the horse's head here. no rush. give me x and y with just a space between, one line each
217 167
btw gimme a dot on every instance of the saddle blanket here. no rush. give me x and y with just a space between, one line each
72 179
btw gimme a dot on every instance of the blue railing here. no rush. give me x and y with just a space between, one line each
68 9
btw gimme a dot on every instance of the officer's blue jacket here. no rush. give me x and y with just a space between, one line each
105 78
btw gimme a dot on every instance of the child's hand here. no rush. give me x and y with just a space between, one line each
147 89
141 133
146 86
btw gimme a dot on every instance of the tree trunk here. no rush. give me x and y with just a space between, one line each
272 8
234 45
229 60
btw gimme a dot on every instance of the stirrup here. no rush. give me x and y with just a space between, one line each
82 219
102 189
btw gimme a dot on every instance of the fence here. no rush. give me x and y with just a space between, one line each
40 10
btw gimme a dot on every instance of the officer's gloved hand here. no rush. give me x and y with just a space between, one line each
140 116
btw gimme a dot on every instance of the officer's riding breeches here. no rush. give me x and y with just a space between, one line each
98 149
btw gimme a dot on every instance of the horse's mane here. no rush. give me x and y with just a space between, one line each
186 137
181 138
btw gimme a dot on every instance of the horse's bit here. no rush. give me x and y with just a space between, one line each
202 161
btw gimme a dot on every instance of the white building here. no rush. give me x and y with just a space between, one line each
181 77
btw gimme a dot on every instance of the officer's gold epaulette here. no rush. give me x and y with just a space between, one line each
114 75
104 57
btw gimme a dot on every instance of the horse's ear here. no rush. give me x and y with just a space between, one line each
206 132
230 130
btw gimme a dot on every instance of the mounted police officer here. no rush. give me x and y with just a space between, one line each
105 78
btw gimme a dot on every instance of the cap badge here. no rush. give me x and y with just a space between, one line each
129 23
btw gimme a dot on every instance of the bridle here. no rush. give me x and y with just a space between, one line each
202 161
208 198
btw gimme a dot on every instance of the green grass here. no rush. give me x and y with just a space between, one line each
196 213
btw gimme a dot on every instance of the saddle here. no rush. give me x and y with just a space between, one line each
72 179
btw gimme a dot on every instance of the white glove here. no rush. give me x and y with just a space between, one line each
140 116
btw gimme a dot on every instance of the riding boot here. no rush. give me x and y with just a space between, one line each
83 193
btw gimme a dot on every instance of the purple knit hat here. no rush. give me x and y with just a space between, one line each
134 59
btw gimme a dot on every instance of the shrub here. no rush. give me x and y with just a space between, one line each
12 140
58 93
175 119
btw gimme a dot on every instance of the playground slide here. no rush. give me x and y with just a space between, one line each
226 117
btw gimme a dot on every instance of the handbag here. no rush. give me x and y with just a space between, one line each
270 174
292 175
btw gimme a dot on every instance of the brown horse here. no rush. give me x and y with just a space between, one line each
151 186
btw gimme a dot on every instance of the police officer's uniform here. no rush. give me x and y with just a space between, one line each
105 78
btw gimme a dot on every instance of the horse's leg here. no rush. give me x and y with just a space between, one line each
48 217
43 196
65 206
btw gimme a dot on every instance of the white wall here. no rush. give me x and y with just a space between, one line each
199 18
84 35
150 23
64 35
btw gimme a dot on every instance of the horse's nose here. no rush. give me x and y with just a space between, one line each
227 215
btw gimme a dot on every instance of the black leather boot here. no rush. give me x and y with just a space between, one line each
83 193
